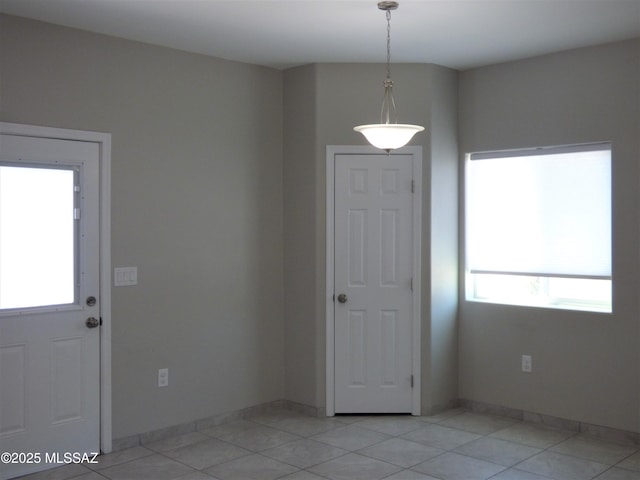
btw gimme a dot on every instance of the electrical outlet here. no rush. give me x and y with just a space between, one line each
163 377
527 363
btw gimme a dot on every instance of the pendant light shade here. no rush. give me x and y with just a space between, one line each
386 135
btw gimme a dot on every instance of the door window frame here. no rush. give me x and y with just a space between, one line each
331 152
104 144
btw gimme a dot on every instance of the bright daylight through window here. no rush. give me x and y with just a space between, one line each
538 227
37 236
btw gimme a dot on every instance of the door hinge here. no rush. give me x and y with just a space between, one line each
412 284
334 298
413 186
411 381
76 213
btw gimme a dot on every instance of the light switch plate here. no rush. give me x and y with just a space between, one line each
125 276
527 363
163 377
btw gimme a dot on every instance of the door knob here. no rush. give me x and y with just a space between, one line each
342 298
92 322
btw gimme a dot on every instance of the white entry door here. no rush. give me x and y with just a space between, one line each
373 270
49 304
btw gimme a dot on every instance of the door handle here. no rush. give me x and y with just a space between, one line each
92 322
342 298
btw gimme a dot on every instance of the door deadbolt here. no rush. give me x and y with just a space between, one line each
91 301
342 298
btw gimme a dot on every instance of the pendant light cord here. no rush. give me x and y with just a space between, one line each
388 113
388 44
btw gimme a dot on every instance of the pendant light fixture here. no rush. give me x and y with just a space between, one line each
386 135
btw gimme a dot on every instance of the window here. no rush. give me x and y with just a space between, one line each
37 236
538 227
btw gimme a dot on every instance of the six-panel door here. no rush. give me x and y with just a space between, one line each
373 270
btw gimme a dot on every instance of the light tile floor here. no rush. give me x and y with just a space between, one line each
455 445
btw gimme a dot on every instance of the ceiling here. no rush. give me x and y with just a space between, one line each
459 34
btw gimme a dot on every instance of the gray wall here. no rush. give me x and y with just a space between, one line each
441 326
586 366
322 104
196 205
301 341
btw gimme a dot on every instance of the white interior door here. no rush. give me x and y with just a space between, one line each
373 276
49 301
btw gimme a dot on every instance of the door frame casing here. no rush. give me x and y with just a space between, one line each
416 153
104 144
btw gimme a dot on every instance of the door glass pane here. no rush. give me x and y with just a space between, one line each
37 236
